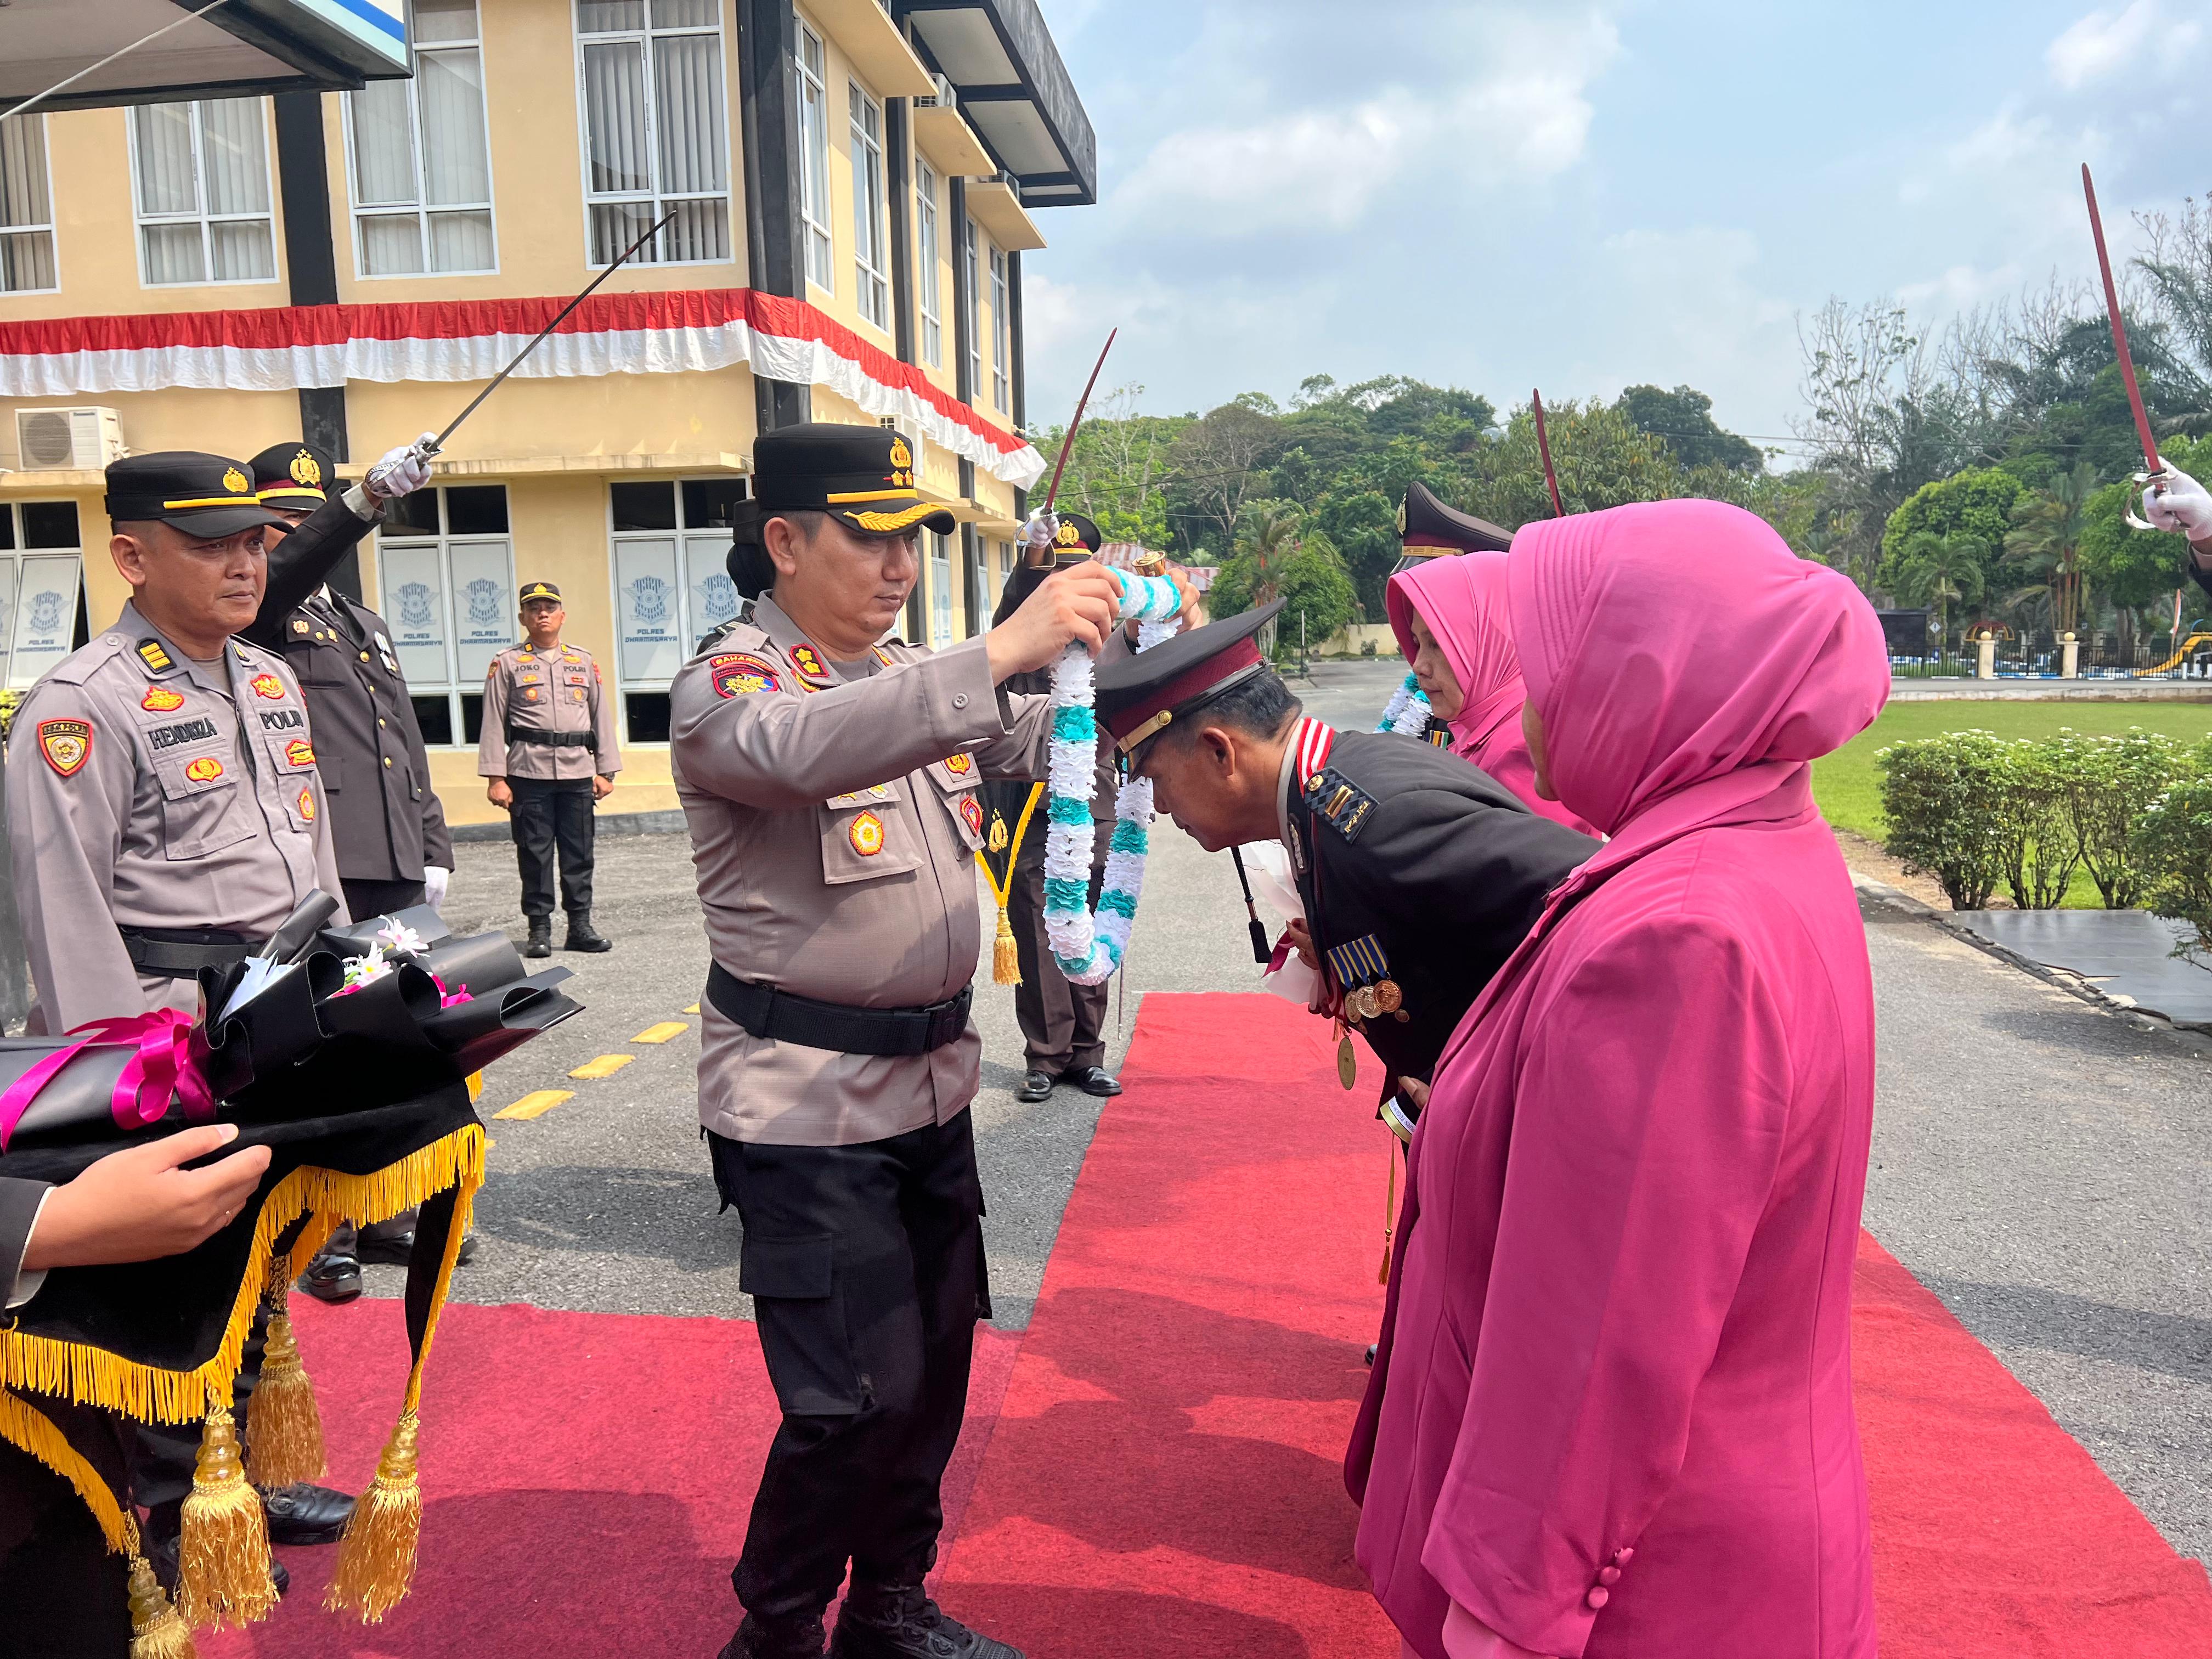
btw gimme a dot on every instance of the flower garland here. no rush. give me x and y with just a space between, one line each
1088 946
1408 712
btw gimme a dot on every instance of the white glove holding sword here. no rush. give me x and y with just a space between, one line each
2175 502
401 472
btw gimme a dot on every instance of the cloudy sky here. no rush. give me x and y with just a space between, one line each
1502 193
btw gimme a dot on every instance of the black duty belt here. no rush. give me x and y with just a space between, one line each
181 952
767 1013
556 739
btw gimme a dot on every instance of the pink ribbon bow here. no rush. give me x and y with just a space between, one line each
163 1064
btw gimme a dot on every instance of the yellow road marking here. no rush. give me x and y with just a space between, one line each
536 1104
605 1066
666 1031
693 1009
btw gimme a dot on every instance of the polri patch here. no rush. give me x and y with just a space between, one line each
268 686
1337 802
67 744
206 769
160 700
151 653
299 752
959 763
867 835
740 673
971 814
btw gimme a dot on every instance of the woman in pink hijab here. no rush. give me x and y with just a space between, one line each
1449 616
1611 1415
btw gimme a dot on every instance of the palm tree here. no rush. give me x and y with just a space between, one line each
2047 526
1937 569
1275 533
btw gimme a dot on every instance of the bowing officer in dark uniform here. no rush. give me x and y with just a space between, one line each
1063 1025
1419 873
396 850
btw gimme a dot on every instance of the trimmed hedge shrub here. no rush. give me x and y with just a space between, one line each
1939 793
2173 844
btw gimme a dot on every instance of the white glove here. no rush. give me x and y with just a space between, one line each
401 472
433 885
2181 505
1041 529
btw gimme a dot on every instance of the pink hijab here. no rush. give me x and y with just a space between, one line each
1611 1414
1462 597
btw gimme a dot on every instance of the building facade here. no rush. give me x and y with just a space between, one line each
845 186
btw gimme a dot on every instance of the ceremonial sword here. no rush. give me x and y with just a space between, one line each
1067 443
2144 433
1544 448
438 443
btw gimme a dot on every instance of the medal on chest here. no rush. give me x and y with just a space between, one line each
1347 1063
1362 973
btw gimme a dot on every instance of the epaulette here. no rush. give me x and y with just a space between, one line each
81 663
712 639
1338 802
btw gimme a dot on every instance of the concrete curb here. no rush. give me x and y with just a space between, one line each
2120 1007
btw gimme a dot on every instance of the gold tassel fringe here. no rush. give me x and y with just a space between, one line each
285 1432
223 1575
158 1631
93 1376
376 1557
1006 954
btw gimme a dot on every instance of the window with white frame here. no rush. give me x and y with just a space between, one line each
941 590
656 136
811 73
969 238
446 564
871 257
1002 333
203 191
41 582
27 209
422 155
927 254
670 544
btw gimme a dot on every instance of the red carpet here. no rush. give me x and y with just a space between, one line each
1156 1471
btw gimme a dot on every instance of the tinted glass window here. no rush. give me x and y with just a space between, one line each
471 716
50 524
644 505
707 501
412 515
649 716
478 510
435 716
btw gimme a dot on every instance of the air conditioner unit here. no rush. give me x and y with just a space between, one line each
81 440
945 97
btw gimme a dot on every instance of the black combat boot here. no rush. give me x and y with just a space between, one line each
883 1622
541 937
582 936
774 1638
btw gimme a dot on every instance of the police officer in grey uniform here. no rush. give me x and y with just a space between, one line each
392 852
831 775
167 813
548 749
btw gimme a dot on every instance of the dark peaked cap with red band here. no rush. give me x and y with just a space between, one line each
1426 525
1139 695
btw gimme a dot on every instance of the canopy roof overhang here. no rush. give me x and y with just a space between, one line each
1008 82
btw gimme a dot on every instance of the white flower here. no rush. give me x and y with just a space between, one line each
361 969
400 939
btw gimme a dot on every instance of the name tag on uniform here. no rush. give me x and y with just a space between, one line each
874 792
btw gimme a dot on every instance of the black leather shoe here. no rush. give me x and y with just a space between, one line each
389 1242
1035 1087
907 1624
582 936
541 937
1093 1080
302 1514
162 1557
782 1638
332 1279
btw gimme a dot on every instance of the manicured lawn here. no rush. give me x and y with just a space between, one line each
1848 788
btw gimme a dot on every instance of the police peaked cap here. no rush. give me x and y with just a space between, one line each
1137 696
862 476
294 475
1426 525
210 497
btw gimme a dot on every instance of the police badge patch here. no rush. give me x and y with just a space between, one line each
206 769
268 686
67 744
160 700
299 752
971 814
307 804
739 674
867 835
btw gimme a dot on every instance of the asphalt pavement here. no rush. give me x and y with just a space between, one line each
2039 1163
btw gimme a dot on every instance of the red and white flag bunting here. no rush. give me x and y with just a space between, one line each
282 348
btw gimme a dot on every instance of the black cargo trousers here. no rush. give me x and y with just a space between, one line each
866 1266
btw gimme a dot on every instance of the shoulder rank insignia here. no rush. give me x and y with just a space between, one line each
740 673
300 628
808 664
268 686
67 744
1338 802
151 653
886 658
160 700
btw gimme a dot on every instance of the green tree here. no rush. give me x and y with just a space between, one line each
1283 555
1220 463
1364 527
1978 502
2045 540
1940 569
1683 420
1602 459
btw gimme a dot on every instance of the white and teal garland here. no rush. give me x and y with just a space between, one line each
1407 712
1088 947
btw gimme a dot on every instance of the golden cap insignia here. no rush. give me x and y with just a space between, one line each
306 470
236 481
1401 518
902 457
1068 536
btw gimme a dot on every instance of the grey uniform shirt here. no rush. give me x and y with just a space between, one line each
530 691
146 790
833 827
